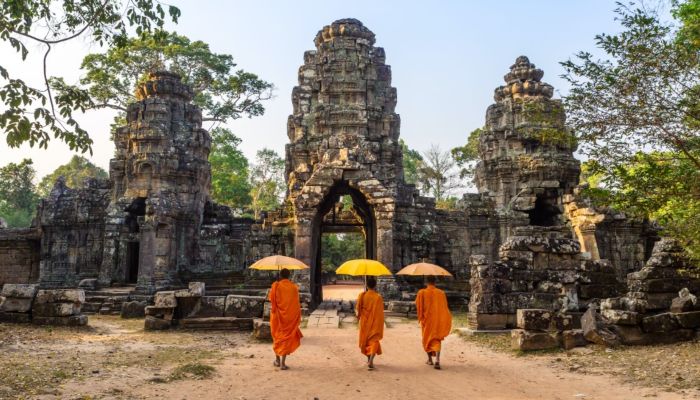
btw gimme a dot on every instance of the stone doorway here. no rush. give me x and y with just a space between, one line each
344 210
132 260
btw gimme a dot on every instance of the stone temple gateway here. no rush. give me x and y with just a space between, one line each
525 240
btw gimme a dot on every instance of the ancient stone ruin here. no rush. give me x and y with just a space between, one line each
146 241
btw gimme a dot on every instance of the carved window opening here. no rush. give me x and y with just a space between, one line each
546 211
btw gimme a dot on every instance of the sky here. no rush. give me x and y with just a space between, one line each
446 57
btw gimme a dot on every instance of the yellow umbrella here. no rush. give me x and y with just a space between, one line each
422 269
276 263
363 267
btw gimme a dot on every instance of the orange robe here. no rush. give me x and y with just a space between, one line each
434 317
285 317
370 313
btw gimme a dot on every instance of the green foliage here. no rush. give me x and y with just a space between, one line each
266 181
660 186
438 175
467 156
336 248
221 91
412 162
75 172
637 115
18 199
229 170
34 114
448 203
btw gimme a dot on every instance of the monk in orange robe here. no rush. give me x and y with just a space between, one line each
435 319
285 316
370 314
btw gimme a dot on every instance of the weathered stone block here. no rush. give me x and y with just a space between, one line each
685 302
60 296
210 306
402 307
133 309
89 284
528 340
159 312
55 309
573 338
562 322
19 290
665 322
16 318
689 320
165 299
196 288
73 320
244 306
155 324
621 317
596 331
533 319
261 330
13 304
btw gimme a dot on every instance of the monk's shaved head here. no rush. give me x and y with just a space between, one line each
284 274
430 279
371 282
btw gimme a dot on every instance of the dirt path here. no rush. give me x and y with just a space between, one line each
342 291
329 366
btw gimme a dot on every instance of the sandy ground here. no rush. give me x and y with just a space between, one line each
328 365
342 291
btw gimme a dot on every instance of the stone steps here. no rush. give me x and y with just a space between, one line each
217 323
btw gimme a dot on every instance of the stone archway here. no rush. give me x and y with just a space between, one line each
326 220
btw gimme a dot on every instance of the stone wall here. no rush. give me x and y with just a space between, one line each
72 233
19 255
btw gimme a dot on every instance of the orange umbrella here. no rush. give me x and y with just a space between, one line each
422 269
276 263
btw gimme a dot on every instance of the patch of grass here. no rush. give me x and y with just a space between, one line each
459 320
498 342
192 371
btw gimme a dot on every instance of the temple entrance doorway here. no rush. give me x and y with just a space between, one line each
344 229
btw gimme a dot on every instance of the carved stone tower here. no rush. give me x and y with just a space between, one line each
161 181
344 140
526 154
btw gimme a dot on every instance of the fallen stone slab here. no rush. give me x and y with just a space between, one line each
524 340
89 284
16 318
73 320
685 302
160 312
595 330
209 306
562 322
14 304
664 322
55 309
133 309
573 338
261 330
165 299
689 320
19 290
533 319
217 323
244 306
155 324
60 296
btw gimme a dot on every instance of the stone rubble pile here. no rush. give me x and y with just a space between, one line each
539 267
25 303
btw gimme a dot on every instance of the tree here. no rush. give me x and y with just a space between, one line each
34 114
336 248
229 170
467 156
76 171
267 181
637 114
221 91
438 175
412 162
18 199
